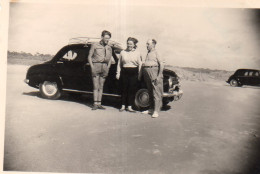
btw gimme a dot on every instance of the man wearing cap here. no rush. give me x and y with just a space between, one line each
99 58
153 76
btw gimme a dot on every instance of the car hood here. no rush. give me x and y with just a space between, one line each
38 68
169 72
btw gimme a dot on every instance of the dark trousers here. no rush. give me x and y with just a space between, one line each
129 79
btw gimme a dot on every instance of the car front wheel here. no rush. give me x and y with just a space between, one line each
142 99
234 83
50 90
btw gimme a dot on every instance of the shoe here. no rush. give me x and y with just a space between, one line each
155 115
130 110
101 107
121 110
95 107
150 111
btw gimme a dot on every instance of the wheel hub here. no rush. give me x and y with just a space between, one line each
234 83
143 99
50 88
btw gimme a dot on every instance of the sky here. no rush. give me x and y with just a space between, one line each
215 38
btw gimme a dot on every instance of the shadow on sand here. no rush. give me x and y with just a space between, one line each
87 99
84 99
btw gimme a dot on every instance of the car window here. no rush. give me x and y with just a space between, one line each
76 54
251 73
246 73
70 55
256 74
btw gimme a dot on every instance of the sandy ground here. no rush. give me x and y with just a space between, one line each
213 129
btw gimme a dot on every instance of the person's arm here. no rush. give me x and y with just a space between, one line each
108 67
161 66
90 54
118 70
140 67
109 63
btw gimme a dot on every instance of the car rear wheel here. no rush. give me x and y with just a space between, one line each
50 90
142 99
234 83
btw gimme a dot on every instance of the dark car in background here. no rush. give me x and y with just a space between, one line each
69 71
245 77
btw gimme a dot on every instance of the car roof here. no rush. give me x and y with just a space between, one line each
117 48
247 69
90 40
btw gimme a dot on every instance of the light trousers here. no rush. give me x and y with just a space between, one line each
155 89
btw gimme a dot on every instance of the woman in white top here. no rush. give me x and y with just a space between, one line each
129 66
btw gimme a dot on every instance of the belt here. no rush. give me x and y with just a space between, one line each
150 66
130 67
99 62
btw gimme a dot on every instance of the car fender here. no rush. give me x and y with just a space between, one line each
39 78
230 78
236 78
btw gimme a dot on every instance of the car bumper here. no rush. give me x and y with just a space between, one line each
175 94
26 81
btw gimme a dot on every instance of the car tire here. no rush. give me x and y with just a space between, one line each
234 83
50 90
142 99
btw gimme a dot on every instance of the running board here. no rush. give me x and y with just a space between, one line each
88 92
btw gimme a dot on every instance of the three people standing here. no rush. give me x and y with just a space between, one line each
130 67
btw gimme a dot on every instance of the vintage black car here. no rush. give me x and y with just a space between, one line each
69 71
245 77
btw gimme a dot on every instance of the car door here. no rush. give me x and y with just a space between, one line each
243 77
73 70
250 78
256 78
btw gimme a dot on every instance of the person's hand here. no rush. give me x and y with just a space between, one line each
93 71
106 71
157 80
117 76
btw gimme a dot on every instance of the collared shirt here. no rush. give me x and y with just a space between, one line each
129 59
153 58
100 52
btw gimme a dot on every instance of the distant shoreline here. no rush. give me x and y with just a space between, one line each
185 73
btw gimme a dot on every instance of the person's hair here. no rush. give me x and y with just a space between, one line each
105 32
134 40
154 41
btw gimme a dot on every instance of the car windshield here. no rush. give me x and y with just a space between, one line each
240 72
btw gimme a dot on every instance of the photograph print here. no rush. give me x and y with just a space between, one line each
132 87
